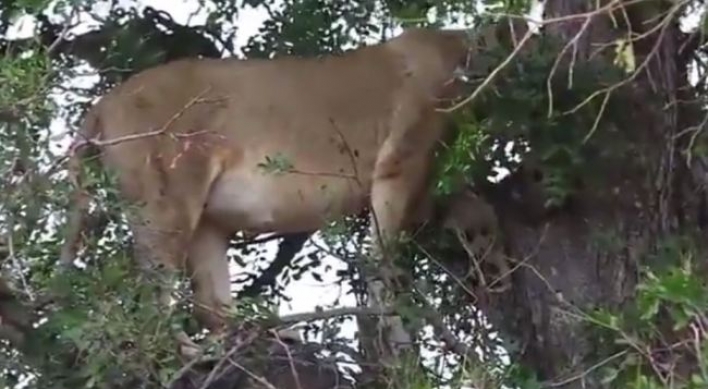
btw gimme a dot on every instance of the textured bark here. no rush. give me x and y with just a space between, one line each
562 270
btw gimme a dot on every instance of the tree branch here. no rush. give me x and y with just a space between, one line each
15 317
332 313
288 248
178 41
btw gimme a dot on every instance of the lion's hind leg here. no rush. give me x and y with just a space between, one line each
168 203
161 232
208 269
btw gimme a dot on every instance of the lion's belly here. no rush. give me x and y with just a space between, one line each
259 202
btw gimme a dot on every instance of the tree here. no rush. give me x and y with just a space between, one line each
624 251
589 273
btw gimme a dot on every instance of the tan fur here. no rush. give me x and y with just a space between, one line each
475 224
186 140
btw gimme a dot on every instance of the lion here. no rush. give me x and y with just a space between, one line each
205 148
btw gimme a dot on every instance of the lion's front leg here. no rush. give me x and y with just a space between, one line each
392 201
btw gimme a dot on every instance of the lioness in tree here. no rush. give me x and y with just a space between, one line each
205 148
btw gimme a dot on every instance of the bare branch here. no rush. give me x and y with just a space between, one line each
332 313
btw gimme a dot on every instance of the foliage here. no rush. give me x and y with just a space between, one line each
514 119
658 339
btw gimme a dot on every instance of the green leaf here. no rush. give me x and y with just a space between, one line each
624 55
277 164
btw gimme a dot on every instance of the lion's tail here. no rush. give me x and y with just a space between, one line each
81 149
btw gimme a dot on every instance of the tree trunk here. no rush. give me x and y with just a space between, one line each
562 270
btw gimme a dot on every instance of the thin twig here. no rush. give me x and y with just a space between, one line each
251 374
573 42
65 30
227 357
285 347
161 131
332 313
491 75
587 15
662 26
587 371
